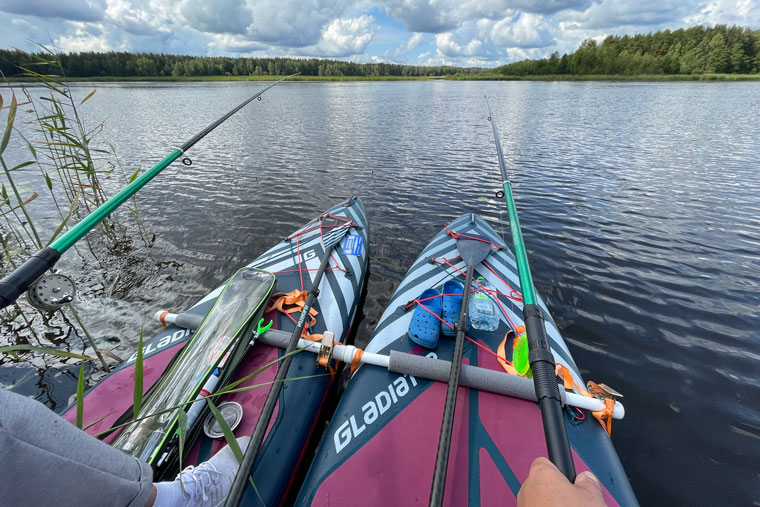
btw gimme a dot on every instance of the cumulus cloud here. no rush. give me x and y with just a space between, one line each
488 42
522 31
461 32
139 17
437 16
219 16
293 23
448 47
414 41
76 10
84 38
616 13
229 43
548 6
741 12
344 37
423 15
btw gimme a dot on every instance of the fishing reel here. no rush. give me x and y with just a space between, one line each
51 292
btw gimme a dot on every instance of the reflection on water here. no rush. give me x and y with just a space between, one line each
639 205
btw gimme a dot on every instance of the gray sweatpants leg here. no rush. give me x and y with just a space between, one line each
45 460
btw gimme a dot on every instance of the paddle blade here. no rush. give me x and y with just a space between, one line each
333 230
472 251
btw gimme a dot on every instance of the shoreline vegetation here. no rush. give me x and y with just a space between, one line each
718 53
59 158
724 77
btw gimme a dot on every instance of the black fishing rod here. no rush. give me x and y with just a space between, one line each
20 279
540 355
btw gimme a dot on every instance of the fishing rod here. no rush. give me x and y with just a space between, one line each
540 356
21 279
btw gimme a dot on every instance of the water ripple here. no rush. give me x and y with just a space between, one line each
638 203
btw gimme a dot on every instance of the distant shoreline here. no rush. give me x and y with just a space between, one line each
453 77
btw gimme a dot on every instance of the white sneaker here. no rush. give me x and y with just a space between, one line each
208 484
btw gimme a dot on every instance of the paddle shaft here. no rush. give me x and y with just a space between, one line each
18 281
249 458
540 356
444 440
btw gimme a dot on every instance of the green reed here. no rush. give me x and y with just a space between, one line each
70 163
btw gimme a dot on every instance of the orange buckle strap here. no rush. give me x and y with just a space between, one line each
598 391
607 395
325 362
298 299
326 349
325 355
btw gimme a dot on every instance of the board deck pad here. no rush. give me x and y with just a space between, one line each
294 263
382 441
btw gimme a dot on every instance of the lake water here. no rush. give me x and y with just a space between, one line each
640 207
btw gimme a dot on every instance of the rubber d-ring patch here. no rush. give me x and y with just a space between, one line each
187 161
499 194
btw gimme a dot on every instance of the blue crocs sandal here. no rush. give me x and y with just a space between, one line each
452 304
424 327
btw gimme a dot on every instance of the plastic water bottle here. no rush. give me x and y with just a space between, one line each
484 313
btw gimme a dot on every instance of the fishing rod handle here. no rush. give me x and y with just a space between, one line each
547 392
18 281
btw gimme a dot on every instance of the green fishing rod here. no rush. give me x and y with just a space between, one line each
540 355
20 279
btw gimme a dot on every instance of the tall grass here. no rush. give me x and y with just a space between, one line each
58 153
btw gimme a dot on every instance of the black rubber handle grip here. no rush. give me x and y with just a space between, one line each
18 281
545 381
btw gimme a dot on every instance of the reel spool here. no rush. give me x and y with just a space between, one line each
51 292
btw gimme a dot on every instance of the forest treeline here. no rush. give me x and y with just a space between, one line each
696 50
121 64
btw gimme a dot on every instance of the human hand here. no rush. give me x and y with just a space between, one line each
546 486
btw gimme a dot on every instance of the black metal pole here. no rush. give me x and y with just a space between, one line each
444 440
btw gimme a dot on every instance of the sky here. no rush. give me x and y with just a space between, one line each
481 33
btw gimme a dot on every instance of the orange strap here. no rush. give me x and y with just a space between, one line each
162 318
604 416
296 298
356 360
502 356
321 361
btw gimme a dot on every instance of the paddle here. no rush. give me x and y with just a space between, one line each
473 252
335 232
540 356
20 279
